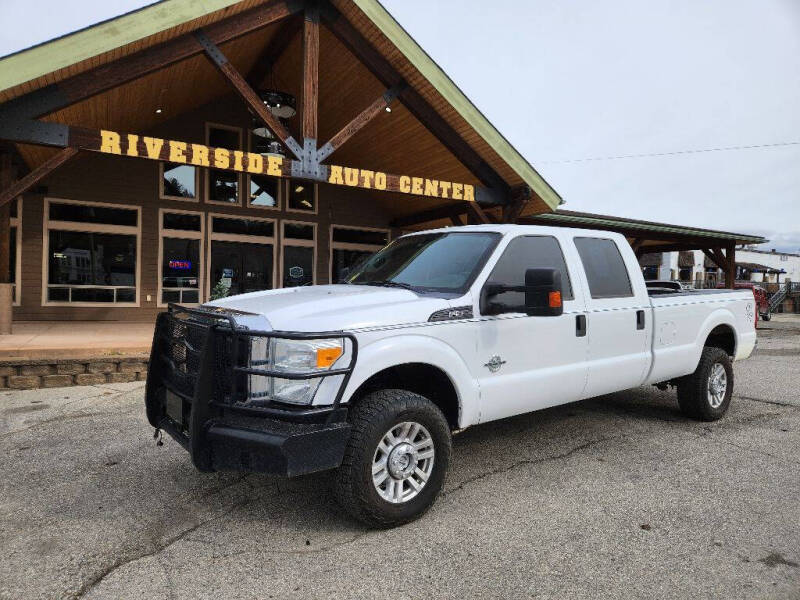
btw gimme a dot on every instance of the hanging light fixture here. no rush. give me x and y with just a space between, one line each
283 106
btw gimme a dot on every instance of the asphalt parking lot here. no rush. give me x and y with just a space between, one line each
617 497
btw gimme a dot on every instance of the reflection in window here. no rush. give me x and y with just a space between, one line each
350 247
91 267
347 261
301 195
180 270
179 181
223 186
298 266
264 191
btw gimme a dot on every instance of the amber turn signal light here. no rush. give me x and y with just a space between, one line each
554 299
327 356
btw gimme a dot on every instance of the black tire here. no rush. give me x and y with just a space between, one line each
371 418
766 316
693 394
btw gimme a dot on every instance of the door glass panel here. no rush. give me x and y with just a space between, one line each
237 268
298 266
345 261
529 252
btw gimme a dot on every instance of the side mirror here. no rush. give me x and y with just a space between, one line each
542 291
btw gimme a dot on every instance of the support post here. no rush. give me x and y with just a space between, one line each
6 301
730 256
310 72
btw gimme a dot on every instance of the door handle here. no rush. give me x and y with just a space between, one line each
580 325
639 319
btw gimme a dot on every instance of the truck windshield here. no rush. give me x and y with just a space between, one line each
432 262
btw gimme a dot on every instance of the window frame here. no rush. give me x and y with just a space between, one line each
301 244
351 246
241 238
207 183
163 196
586 273
185 235
79 227
247 177
287 182
16 222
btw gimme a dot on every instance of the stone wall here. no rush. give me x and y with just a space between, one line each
49 373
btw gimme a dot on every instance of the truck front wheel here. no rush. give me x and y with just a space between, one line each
706 393
396 460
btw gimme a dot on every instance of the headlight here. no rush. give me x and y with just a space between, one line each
291 356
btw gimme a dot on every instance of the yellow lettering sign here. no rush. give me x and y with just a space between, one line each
177 152
222 158
431 188
274 164
366 178
255 163
335 175
469 192
109 142
200 155
237 160
380 181
444 189
458 191
133 145
405 184
416 185
153 146
351 176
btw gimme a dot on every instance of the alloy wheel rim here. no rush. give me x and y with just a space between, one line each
403 462
717 385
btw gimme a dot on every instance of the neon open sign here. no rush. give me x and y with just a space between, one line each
181 265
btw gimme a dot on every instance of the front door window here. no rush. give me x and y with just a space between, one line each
239 268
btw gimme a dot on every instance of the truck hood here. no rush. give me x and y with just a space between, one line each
335 307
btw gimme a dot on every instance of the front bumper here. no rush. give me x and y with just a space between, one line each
196 384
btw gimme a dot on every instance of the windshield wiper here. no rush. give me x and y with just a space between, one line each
388 283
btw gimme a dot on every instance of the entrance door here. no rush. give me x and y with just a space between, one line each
240 267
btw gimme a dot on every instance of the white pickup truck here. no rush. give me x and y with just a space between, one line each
439 331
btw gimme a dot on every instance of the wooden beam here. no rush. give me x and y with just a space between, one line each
6 180
248 94
519 199
414 102
273 51
358 123
481 217
446 211
456 220
90 83
23 185
310 72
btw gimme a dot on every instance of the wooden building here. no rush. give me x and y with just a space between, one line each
188 150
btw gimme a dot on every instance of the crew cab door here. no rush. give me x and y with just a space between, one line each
524 363
618 315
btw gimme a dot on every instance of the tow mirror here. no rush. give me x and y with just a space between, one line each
542 291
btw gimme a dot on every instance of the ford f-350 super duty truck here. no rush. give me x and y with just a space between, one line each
438 331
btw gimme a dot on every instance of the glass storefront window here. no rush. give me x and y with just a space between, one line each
302 196
179 181
180 270
345 261
298 266
264 191
351 246
90 213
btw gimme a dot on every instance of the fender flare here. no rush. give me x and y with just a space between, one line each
391 352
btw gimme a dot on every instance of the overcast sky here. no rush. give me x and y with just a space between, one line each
571 80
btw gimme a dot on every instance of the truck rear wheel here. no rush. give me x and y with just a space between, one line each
396 461
706 394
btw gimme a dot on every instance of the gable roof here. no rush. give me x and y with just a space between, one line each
104 42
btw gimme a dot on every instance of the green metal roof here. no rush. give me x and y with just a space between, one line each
593 221
456 98
103 37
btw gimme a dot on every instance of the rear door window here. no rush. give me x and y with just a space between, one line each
604 267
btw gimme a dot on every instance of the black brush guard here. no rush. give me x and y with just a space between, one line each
197 390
